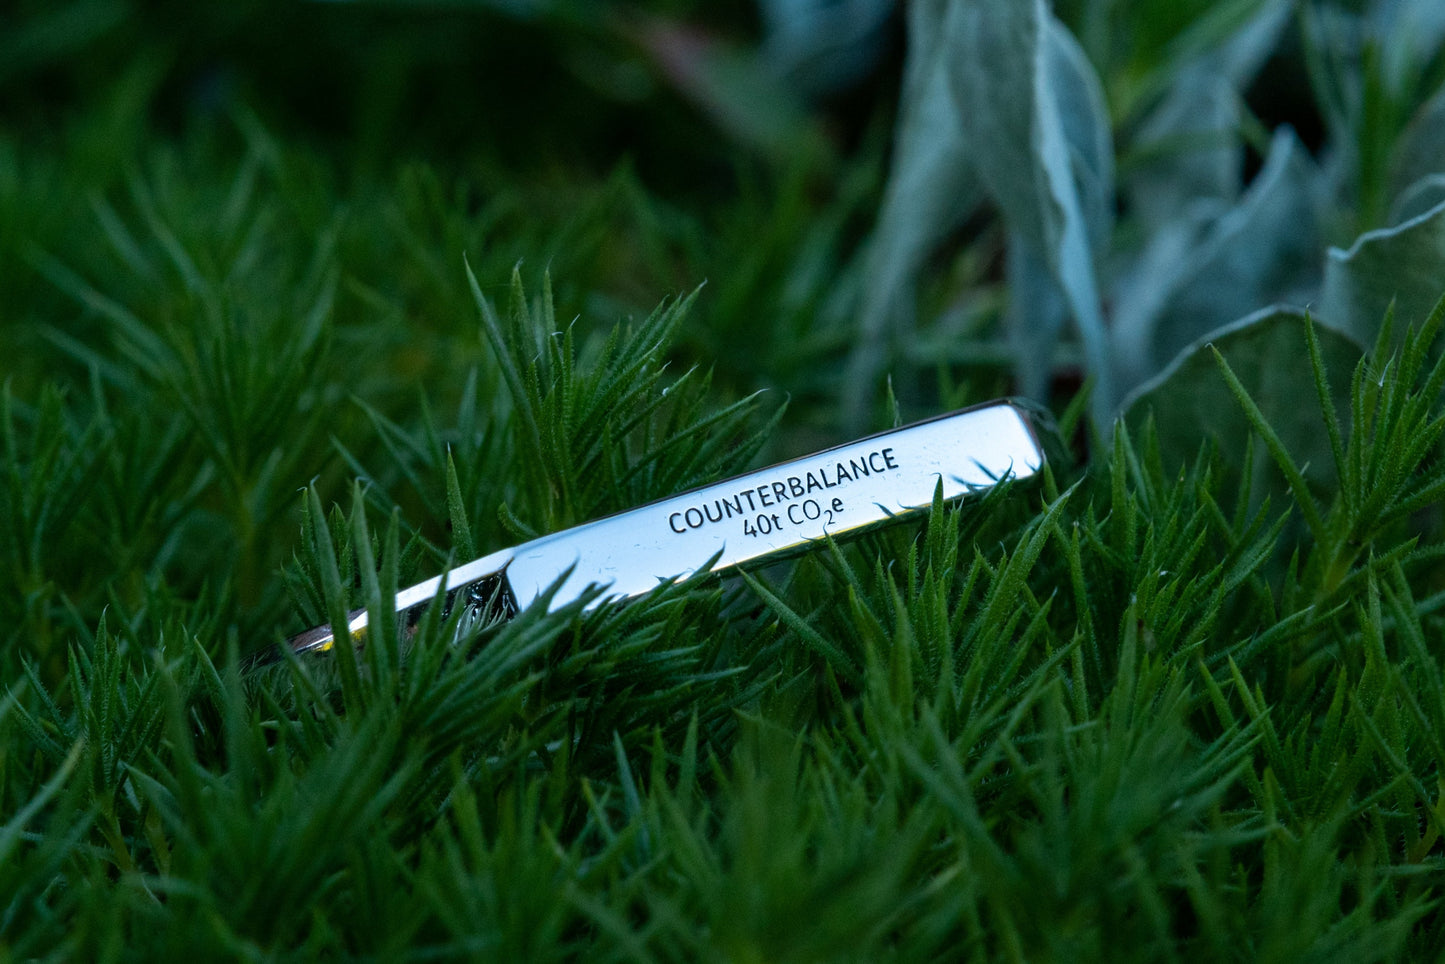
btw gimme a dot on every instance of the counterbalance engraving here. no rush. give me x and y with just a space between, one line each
791 495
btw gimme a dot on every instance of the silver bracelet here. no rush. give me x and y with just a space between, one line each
750 519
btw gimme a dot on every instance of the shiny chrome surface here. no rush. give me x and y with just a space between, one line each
753 517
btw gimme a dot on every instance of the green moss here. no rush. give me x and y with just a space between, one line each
1150 708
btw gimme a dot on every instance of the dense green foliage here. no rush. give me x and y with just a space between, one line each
268 355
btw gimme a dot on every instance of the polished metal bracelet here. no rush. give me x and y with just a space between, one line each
746 520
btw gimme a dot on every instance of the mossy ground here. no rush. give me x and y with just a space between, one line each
1142 710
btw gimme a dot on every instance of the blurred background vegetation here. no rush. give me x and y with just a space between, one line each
233 242
231 239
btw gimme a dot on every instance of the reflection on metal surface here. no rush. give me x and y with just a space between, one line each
747 519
